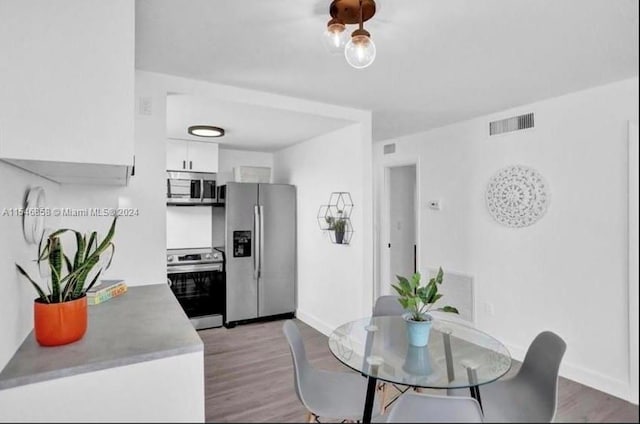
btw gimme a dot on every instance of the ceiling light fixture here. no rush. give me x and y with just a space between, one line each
205 131
360 51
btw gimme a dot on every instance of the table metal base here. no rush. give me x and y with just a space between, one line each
475 393
372 383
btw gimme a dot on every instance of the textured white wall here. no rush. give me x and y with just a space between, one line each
566 273
16 305
140 240
332 283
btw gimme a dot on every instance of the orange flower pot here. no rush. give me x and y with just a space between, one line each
57 324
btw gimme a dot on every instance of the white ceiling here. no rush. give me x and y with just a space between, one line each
438 61
247 127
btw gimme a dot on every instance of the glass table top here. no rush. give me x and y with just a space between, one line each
456 356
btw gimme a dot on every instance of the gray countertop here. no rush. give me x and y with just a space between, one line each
143 324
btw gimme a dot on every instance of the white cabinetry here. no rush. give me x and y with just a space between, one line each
67 104
192 156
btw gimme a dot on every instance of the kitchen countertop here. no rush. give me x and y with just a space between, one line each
143 324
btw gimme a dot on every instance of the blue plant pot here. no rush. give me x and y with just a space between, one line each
418 331
417 361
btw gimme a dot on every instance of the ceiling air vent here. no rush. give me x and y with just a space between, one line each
516 123
389 148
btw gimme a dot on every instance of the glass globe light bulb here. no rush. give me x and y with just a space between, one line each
335 37
360 51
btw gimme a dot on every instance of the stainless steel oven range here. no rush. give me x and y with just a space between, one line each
197 278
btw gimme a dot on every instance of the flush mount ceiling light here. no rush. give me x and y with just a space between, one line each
205 131
360 51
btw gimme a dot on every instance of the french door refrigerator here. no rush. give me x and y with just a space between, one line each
260 226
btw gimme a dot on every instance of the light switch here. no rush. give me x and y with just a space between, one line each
145 106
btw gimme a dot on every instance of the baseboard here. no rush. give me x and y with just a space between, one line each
312 321
618 388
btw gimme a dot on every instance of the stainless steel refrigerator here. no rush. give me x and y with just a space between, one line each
260 227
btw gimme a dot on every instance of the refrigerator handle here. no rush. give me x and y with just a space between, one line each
256 241
261 241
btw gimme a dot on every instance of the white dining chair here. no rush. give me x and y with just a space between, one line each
422 408
532 394
327 394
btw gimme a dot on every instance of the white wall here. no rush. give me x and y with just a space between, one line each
402 231
566 273
16 303
332 285
189 227
230 158
140 240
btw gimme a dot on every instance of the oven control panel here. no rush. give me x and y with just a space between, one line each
190 257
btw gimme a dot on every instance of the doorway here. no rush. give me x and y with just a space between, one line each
401 224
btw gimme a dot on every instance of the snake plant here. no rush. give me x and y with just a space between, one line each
418 300
70 285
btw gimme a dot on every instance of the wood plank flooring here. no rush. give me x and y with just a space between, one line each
249 378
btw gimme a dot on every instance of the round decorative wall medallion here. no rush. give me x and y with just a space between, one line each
517 196
33 219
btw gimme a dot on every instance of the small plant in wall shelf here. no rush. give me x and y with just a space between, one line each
335 217
60 312
338 225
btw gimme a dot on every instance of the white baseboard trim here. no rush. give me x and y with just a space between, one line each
596 380
312 321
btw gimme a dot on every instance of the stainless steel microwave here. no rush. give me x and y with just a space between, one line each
191 188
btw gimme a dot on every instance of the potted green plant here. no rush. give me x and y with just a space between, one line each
338 225
60 316
418 300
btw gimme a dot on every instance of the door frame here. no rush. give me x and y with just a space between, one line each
633 259
385 228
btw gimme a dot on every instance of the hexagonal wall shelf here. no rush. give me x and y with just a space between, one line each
335 217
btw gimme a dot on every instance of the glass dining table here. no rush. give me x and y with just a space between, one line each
457 356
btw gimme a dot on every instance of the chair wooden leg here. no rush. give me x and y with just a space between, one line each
383 398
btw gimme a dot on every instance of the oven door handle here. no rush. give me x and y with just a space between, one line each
183 269
256 242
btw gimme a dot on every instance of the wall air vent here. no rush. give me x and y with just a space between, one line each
389 148
515 123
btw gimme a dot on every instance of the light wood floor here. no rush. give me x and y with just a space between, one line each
249 378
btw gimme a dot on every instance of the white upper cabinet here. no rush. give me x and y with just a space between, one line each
67 84
177 155
192 156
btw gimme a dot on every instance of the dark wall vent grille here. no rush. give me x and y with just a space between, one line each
515 123
389 148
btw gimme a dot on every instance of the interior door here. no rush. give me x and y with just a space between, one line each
276 286
176 155
242 287
203 156
402 222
